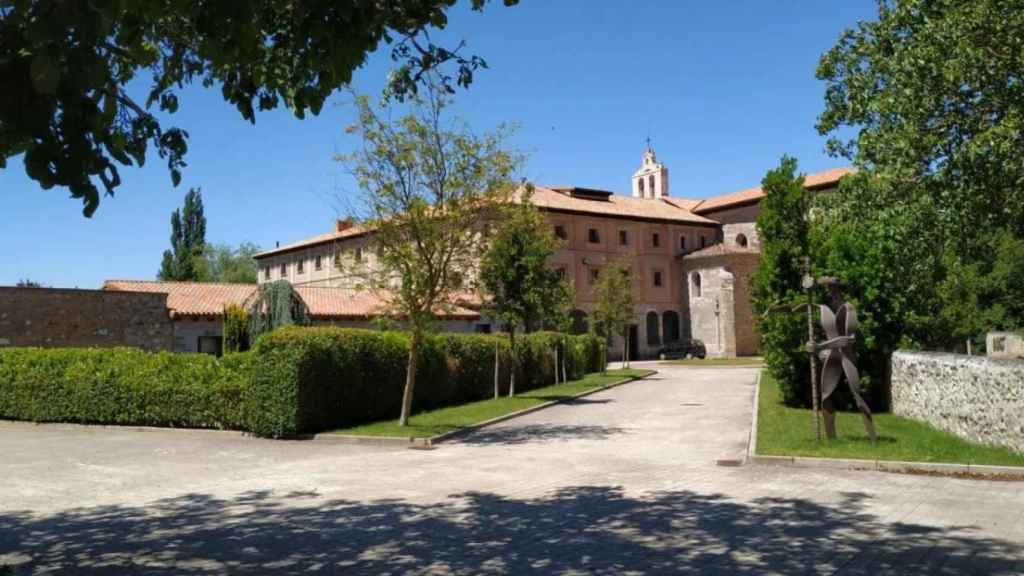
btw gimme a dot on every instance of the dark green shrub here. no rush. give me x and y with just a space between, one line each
121 386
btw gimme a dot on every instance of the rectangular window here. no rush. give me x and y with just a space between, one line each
655 240
560 232
266 272
594 273
703 241
657 278
593 237
284 270
300 266
560 272
682 243
318 263
359 254
623 238
483 328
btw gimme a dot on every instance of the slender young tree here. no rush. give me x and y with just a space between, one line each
614 308
425 182
188 240
519 286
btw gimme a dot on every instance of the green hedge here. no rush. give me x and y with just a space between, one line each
122 386
312 379
296 380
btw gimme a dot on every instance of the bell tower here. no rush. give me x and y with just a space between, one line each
651 179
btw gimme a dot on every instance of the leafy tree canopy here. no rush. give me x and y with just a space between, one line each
224 263
518 284
614 307
426 182
64 68
934 92
783 228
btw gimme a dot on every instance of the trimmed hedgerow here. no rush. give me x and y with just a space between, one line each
312 379
296 380
122 386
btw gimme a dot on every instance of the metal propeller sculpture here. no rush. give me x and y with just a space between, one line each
840 336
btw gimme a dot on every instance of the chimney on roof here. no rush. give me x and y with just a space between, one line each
341 225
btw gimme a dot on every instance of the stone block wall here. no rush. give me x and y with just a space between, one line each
1004 345
977 398
58 317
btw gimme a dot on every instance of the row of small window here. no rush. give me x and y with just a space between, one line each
657 280
594 237
300 267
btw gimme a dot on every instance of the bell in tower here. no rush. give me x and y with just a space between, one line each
651 180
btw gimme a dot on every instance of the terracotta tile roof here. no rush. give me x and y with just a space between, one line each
720 250
208 299
189 298
315 240
811 181
669 210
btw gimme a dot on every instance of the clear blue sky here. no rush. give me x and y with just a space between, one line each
724 88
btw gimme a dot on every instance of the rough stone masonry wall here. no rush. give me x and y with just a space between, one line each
974 397
57 317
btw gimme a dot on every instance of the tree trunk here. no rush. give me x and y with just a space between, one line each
625 348
565 375
556 364
515 363
410 378
496 356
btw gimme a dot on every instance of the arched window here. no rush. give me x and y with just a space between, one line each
579 322
640 184
653 337
650 181
670 326
741 240
696 284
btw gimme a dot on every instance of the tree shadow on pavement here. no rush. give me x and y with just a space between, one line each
523 433
588 529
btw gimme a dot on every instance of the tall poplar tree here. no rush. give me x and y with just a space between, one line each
188 239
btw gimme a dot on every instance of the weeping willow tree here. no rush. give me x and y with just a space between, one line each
275 304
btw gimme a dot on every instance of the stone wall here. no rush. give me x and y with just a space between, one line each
1004 345
57 317
974 397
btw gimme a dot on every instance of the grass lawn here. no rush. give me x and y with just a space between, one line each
783 431
426 424
741 361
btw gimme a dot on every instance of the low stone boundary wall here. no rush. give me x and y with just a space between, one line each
974 397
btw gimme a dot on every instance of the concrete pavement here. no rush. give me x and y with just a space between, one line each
620 482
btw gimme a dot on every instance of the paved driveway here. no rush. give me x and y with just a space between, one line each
619 482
